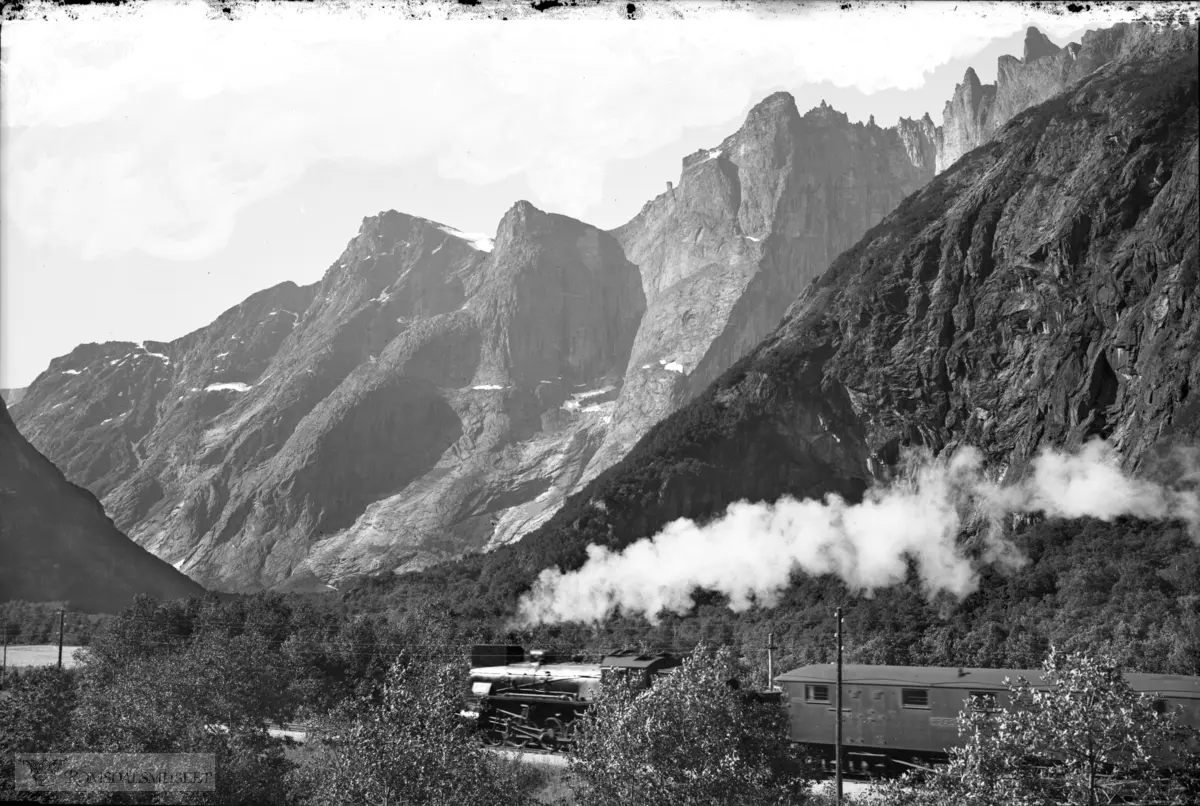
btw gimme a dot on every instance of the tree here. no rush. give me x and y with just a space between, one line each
34 718
692 738
409 746
1082 737
212 695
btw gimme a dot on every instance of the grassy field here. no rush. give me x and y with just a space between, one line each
40 655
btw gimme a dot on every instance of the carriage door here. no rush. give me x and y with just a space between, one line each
873 707
853 717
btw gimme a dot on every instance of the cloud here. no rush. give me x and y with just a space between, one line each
153 128
750 553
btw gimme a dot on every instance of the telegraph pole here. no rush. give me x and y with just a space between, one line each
838 706
4 666
60 637
771 661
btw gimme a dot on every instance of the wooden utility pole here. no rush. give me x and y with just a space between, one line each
4 666
771 661
837 707
60 637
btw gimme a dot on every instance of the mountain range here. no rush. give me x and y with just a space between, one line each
439 392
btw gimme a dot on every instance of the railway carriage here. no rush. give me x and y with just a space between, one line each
908 715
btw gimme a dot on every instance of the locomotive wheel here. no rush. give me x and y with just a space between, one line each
494 731
550 735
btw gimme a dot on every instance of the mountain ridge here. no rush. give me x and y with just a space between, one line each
923 335
439 392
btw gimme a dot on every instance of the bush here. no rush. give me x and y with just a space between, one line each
410 746
692 738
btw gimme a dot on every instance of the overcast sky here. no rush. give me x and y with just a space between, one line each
160 163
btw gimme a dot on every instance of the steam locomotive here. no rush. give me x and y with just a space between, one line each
893 717
534 702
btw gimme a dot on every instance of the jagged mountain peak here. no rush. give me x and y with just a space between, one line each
777 103
978 111
1037 45
825 114
522 217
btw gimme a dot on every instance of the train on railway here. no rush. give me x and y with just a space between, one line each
534 700
894 717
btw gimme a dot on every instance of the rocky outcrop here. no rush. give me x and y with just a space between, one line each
977 111
1043 292
751 222
11 396
58 545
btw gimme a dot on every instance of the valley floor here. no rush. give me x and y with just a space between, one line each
41 655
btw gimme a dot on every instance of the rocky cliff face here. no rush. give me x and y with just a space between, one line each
751 222
383 417
11 396
58 544
977 111
1042 291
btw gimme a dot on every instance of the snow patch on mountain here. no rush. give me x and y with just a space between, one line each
477 239
166 358
233 387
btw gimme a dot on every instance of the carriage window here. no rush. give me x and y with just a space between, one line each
914 697
982 700
816 693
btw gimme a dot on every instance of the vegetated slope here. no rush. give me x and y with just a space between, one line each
58 545
1041 292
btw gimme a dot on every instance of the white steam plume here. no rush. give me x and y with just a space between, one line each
749 553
